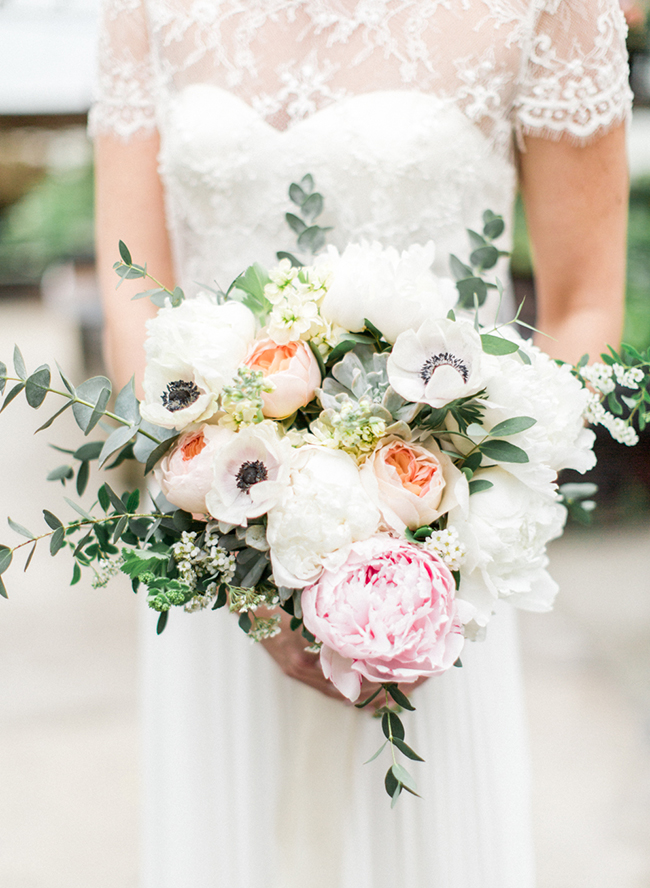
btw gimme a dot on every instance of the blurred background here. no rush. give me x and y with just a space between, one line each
69 742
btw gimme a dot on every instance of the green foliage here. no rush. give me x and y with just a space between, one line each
310 236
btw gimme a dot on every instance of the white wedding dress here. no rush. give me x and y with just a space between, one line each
407 113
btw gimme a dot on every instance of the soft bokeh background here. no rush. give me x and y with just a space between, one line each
69 741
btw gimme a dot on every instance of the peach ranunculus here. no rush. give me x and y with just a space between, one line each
293 370
412 484
186 473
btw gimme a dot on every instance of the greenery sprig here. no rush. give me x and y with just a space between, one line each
397 777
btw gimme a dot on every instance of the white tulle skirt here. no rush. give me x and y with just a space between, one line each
253 780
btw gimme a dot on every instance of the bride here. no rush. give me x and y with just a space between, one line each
413 116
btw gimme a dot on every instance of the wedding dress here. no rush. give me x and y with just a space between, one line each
407 114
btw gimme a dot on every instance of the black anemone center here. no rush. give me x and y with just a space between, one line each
250 473
180 394
443 359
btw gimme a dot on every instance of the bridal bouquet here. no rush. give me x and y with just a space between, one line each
341 439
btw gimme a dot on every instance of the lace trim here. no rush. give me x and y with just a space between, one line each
543 67
581 94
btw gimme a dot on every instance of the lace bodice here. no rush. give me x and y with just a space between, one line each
403 110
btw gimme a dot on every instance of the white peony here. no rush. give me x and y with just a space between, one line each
550 394
505 532
251 473
396 292
439 363
193 350
325 509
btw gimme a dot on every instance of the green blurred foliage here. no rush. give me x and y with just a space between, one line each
52 222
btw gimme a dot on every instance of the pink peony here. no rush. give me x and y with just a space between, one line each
412 484
293 370
388 614
186 473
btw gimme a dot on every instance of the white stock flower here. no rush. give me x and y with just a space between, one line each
439 363
396 292
505 532
251 472
325 509
192 351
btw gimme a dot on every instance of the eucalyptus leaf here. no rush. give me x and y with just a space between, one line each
399 697
468 289
479 484
408 752
104 498
162 622
307 183
245 622
368 699
295 223
130 273
340 349
90 391
120 527
52 520
66 382
402 775
395 723
62 474
90 450
524 356
312 238
116 502
19 364
83 475
494 227
99 411
503 451
282 254
20 529
158 452
3 589
485 257
29 557
56 415
126 403
13 393
476 240
473 461
115 441
3 377
377 754
76 574
497 345
149 294
319 358
37 385
5 558
313 206
458 269
296 194
512 426
57 541
79 509
393 786
125 255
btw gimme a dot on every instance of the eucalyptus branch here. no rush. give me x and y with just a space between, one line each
91 521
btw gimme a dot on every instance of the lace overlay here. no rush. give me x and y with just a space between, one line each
541 66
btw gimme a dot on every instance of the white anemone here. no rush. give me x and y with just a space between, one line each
443 361
251 473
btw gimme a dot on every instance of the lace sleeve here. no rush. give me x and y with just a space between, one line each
575 76
124 90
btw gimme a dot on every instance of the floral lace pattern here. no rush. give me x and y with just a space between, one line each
543 67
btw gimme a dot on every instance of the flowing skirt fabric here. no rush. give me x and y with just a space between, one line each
253 780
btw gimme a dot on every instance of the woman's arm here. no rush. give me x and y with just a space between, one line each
129 207
576 201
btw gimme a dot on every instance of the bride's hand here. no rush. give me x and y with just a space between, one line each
288 650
